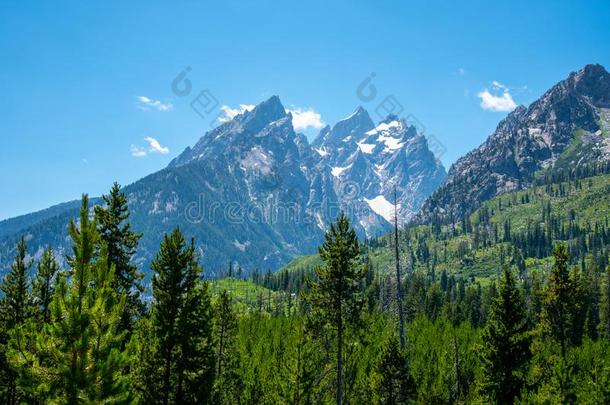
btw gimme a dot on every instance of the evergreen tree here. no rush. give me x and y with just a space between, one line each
181 320
395 384
44 284
335 296
77 355
16 303
605 305
505 351
121 243
15 308
560 305
227 385
535 298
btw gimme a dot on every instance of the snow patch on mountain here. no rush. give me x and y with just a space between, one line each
391 143
321 151
382 207
366 147
336 171
384 127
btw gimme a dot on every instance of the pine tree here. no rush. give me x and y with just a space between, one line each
44 284
77 355
560 304
395 384
227 385
225 328
24 356
121 242
87 315
16 304
181 326
335 296
505 351
605 305
15 308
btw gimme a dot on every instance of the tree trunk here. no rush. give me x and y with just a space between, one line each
339 359
166 378
179 388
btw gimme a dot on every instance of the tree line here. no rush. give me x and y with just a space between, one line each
90 333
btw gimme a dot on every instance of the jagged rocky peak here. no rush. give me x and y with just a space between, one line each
239 132
563 129
264 113
593 82
282 195
351 126
376 159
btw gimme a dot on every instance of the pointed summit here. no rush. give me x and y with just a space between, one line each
354 124
592 81
358 112
272 106
593 70
264 113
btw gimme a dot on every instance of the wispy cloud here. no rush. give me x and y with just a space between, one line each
498 99
153 147
303 118
460 72
136 151
230 113
147 103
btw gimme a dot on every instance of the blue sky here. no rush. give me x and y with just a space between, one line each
71 119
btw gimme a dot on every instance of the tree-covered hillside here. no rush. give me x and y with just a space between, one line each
517 229
510 305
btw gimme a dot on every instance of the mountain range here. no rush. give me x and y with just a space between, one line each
255 193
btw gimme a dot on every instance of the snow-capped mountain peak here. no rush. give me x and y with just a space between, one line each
254 191
376 158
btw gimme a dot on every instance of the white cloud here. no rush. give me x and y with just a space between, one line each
146 103
155 146
303 118
137 151
502 100
230 113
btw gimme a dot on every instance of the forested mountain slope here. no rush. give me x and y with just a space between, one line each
517 229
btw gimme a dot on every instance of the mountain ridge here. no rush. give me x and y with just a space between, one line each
251 191
529 140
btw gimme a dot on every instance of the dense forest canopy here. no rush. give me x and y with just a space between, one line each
510 304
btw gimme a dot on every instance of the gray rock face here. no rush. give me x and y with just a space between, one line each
254 192
370 162
563 128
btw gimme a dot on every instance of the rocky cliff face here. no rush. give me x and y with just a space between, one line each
568 126
370 163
